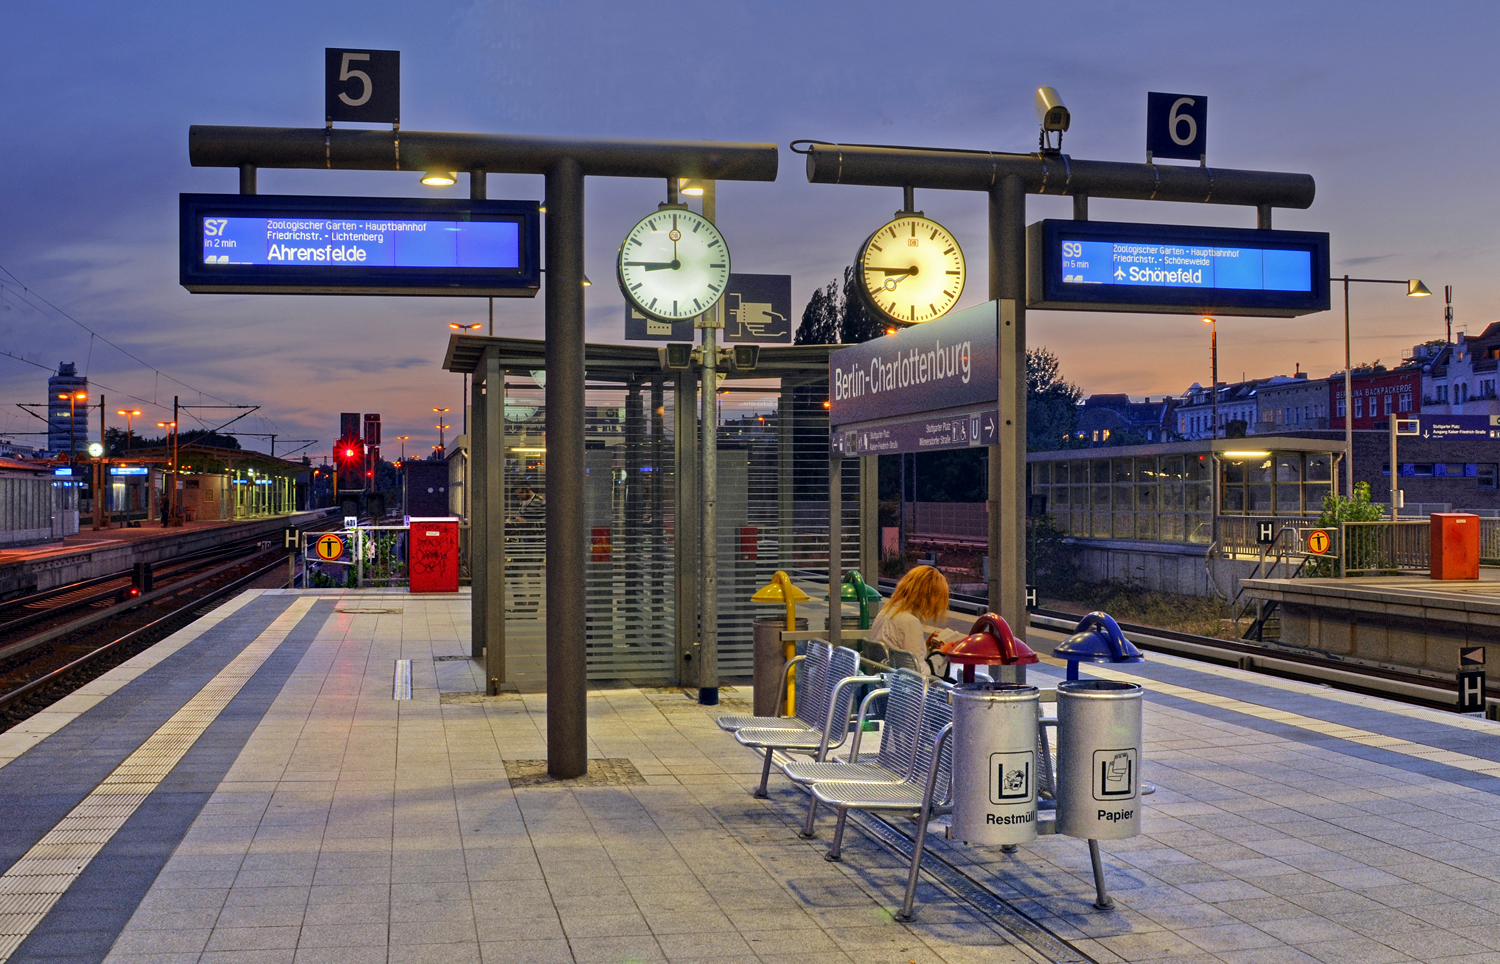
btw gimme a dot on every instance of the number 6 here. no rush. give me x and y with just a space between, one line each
346 74
1173 119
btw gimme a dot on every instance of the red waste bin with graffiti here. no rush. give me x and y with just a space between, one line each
432 555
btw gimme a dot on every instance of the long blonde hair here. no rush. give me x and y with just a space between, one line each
923 592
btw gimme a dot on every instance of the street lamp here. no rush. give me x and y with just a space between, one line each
129 415
1213 348
442 439
172 492
403 439
1414 289
73 399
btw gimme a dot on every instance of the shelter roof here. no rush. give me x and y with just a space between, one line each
627 362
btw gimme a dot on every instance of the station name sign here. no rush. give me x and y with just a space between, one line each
1174 269
266 244
944 364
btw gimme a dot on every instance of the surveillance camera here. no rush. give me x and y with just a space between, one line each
675 357
1050 110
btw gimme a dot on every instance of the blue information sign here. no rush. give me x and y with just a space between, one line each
1108 266
1456 427
309 245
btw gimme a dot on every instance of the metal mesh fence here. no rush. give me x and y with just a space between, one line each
772 514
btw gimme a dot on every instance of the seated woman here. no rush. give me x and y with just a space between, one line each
909 619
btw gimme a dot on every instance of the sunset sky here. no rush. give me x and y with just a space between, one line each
1391 107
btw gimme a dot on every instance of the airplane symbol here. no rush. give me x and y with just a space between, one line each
1119 274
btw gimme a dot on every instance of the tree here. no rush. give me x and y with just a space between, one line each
1051 403
837 315
820 319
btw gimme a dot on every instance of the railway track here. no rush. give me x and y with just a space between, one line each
52 645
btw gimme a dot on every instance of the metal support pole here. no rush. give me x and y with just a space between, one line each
247 178
1395 483
567 694
1348 403
1263 217
478 187
786 425
835 548
708 537
708 602
684 528
992 512
1213 351
1008 286
490 419
480 511
1080 207
658 496
869 518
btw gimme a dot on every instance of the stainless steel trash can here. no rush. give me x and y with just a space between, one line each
994 763
769 661
1099 759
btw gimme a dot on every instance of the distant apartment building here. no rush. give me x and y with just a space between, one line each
1194 410
1116 420
1291 402
1459 379
1377 394
67 422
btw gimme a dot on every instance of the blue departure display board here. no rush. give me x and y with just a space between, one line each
310 245
1110 266
383 242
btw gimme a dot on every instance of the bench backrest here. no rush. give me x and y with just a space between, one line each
813 683
898 658
903 719
937 714
845 663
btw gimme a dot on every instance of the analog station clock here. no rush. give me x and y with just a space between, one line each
673 265
911 270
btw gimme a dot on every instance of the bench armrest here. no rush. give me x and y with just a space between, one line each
786 675
859 723
833 705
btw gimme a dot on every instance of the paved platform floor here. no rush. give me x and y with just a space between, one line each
249 791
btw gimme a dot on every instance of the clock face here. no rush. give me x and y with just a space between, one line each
673 265
912 270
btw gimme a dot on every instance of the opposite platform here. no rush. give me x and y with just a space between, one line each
250 791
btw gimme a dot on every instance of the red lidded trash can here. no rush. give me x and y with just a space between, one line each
432 554
1455 546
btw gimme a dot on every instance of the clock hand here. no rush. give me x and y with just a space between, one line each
674 264
911 270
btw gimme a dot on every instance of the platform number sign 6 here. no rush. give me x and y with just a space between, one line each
363 86
1176 126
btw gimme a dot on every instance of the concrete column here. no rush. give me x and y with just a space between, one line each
567 690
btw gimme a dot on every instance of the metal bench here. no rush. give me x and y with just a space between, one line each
924 792
905 704
812 694
843 674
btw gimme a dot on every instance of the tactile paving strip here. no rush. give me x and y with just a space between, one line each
33 884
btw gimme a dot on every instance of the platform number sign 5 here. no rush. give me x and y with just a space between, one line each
1176 126
363 86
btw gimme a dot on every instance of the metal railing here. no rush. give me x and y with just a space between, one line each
1384 547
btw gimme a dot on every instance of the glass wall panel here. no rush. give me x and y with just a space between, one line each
1319 468
1124 525
1171 496
1145 525
1288 498
1200 529
1288 466
1171 468
1199 497
1258 470
1258 498
1313 497
1120 470
1078 472
1198 468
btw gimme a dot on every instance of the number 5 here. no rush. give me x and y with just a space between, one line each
346 74
1173 119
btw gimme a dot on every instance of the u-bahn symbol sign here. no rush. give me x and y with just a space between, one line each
1319 542
330 547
